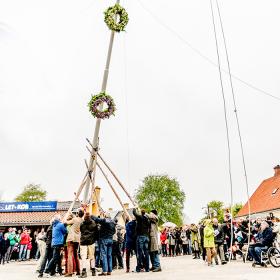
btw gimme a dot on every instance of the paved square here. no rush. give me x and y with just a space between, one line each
173 269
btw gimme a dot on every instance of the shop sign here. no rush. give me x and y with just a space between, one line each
28 206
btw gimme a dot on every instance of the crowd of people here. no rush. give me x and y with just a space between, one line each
20 245
217 243
80 241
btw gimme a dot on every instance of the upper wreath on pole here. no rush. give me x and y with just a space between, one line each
116 18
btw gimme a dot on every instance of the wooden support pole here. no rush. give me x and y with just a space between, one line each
117 179
77 195
114 191
115 176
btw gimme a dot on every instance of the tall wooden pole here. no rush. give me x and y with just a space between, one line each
92 160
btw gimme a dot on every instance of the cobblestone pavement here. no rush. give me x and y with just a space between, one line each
173 269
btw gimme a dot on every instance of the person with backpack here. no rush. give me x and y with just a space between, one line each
88 230
142 240
106 232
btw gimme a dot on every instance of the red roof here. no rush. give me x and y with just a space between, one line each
28 218
265 198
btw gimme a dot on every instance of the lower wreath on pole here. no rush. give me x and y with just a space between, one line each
99 99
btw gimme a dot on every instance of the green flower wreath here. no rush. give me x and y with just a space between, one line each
110 18
97 100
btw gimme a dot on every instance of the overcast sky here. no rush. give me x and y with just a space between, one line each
169 115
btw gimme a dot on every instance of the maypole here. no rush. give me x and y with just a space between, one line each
111 18
116 19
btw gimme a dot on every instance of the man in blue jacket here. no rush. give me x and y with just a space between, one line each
58 233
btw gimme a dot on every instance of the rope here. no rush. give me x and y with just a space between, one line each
237 122
126 111
202 55
226 124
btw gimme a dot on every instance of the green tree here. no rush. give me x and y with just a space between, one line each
236 208
32 192
164 194
216 209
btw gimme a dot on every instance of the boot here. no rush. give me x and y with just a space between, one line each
93 272
84 274
158 269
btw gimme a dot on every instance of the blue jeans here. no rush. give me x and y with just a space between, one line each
255 252
55 260
106 254
22 252
155 259
142 251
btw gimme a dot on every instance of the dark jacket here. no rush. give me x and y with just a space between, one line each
267 237
88 229
4 245
58 232
143 224
130 237
107 227
49 236
219 234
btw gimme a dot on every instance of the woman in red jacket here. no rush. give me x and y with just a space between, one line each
163 241
24 241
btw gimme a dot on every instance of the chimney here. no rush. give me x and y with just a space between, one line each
277 170
97 193
126 206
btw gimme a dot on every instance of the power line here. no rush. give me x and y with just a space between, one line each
237 120
202 55
226 120
234 102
